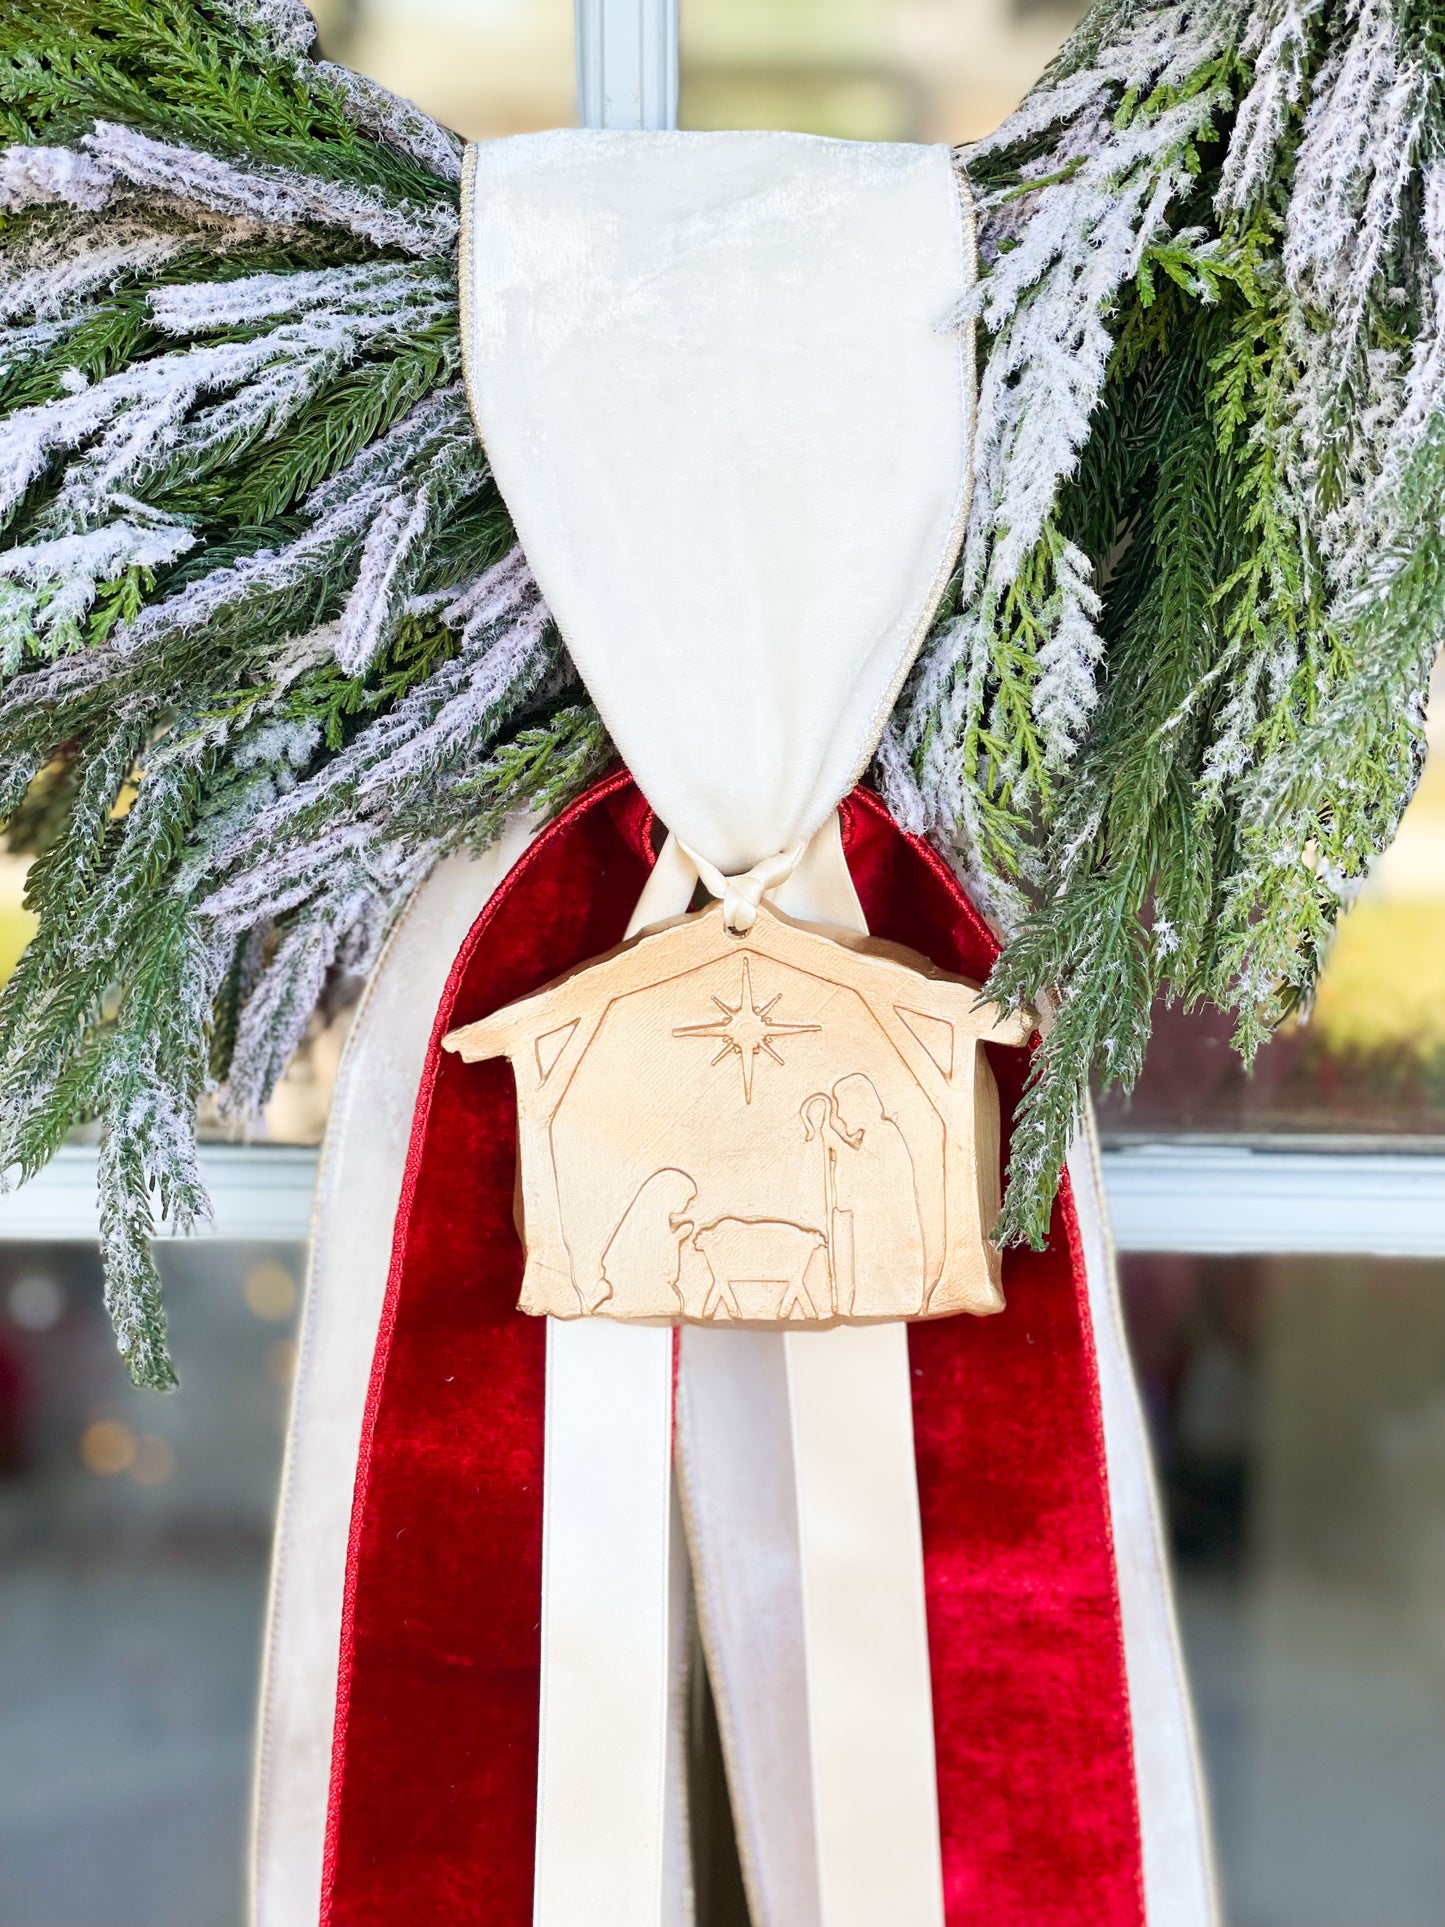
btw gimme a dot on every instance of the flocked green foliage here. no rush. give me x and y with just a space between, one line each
268 648
1182 709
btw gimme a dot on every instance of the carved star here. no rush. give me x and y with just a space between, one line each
746 1027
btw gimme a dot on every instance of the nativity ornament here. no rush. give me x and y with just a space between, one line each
792 1125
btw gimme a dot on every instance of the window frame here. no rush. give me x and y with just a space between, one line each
1207 1196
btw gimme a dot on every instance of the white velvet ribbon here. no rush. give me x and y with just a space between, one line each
723 392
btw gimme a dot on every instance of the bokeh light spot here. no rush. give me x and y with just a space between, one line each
270 1291
35 1302
155 1460
107 1447
281 1362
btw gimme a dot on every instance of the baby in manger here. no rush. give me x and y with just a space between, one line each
859 1253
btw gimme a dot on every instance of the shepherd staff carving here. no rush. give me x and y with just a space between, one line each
674 1099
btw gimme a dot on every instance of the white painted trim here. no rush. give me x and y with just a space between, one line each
1183 1196
1231 1198
259 1192
627 63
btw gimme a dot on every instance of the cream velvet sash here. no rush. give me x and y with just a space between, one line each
724 395
720 388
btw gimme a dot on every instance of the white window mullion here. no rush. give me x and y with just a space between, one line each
627 63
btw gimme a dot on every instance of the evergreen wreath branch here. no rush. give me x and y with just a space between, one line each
267 648
1179 708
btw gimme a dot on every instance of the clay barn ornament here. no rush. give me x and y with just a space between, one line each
843 1165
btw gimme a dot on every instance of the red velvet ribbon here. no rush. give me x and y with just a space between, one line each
434 1771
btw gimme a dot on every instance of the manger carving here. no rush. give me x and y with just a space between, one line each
795 1125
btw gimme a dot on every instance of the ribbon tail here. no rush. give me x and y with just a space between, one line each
1180 1883
606 1714
358 1188
608 1589
797 1469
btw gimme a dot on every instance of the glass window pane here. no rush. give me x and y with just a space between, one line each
862 69
135 1539
1298 1413
938 70
482 67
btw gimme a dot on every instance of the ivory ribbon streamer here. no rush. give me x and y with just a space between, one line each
1179 1877
859 1556
609 1587
606 1581
865 1634
865 1629
356 1198
735 1478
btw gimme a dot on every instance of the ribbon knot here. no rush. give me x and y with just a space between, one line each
742 894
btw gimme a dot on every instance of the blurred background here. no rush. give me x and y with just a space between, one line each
1297 1404
134 1540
